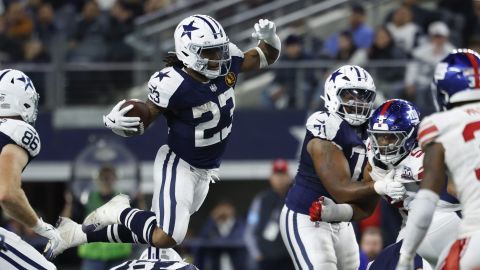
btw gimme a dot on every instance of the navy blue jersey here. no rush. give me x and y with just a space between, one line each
154 265
388 258
19 133
351 140
199 115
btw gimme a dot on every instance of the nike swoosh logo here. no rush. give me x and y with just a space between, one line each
113 121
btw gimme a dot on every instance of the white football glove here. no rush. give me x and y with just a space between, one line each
392 189
51 233
332 212
266 30
120 124
404 262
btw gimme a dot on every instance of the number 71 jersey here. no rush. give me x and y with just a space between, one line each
458 130
20 133
199 115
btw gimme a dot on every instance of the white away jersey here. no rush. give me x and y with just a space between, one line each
409 171
20 133
456 130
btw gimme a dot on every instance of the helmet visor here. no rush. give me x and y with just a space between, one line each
214 60
356 102
388 146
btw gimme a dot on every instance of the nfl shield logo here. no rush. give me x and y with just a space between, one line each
213 87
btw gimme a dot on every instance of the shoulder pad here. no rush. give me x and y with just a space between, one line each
234 50
323 125
162 85
23 134
411 168
428 131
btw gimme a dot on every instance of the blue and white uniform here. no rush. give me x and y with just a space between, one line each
18 254
199 118
446 220
322 245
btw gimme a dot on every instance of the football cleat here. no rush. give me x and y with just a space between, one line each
71 234
106 214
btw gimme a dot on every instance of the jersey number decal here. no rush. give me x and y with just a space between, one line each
468 135
212 107
360 153
30 140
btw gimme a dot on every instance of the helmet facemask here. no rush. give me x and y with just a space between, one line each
212 61
355 105
389 146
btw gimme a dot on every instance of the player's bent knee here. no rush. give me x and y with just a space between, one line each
162 240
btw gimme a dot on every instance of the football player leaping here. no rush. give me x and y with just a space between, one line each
394 155
332 164
195 93
19 144
451 144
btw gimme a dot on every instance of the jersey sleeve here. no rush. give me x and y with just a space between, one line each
163 85
427 132
22 134
324 126
235 51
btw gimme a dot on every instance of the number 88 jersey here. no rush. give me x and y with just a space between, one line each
20 133
458 130
199 115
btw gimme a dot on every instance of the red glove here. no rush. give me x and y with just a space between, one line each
315 210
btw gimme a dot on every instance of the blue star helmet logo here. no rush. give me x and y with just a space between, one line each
188 29
162 75
335 75
27 81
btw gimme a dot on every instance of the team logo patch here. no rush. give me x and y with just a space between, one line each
230 79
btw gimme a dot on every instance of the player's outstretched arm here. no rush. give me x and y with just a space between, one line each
325 209
268 49
423 206
12 197
332 168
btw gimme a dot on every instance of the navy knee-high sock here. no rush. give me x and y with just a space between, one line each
141 223
115 233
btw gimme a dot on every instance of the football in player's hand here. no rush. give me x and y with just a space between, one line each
139 109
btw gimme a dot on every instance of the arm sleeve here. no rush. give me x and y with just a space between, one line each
252 223
162 87
419 219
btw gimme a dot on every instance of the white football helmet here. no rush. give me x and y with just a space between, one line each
18 96
202 45
350 93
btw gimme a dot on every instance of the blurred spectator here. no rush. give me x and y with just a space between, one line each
283 94
100 256
420 70
384 48
223 232
34 52
19 23
361 33
262 236
371 243
121 24
87 42
151 6
10 50
348 52
405 32
45 26
420 16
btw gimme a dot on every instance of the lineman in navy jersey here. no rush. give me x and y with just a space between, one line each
195 92
332 164
19 144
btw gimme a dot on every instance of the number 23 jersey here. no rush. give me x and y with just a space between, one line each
199 115
350 140
20 133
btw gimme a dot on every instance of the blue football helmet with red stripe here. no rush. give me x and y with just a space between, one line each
456 79
392 130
